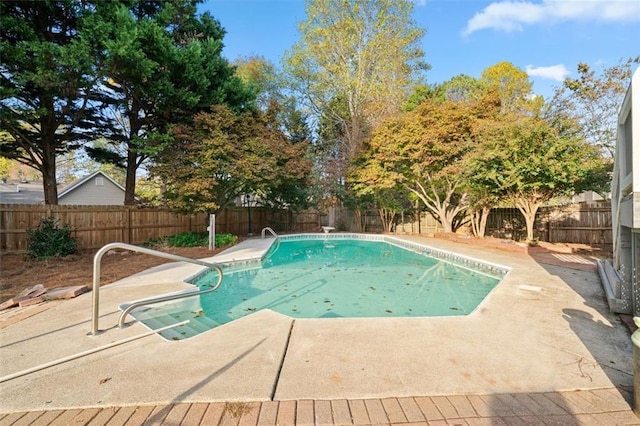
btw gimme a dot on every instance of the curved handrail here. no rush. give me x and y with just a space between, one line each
270 230
96 272
166 298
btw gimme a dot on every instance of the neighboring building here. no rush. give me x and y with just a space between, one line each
96 189
586 197
621 276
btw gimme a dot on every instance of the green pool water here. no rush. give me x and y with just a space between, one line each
332 278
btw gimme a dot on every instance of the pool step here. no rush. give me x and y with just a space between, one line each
155 319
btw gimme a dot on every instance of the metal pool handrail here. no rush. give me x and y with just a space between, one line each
96 274
264 231
166 298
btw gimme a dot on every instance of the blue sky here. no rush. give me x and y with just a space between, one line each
546 38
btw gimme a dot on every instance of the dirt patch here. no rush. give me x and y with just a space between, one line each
18 272
516 247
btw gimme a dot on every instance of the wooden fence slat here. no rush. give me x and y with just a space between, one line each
96 226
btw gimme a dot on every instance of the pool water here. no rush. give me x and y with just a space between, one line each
332 278
346 278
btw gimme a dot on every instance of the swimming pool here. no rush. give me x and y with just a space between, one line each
336 275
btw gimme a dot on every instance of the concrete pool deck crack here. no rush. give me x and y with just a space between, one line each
274 389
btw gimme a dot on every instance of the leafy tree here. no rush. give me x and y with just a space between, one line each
419 94
281 112
223 155
424 152
529 162
593 100
461 88
513 86
262 77
388 201
5 168
163 64
366 53
47 79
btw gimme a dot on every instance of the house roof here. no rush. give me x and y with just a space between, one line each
85 179
17 192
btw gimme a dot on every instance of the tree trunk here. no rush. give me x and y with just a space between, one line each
48 169
49 183
358 215
387 217
484 215
479 221
528 208
447 224
130 180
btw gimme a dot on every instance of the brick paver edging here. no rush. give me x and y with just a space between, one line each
590 407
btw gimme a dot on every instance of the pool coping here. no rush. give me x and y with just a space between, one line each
520 341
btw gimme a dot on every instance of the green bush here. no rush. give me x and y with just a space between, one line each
223 240
199 239
50 240
188 239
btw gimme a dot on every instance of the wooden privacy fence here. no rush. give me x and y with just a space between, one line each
585 223
96 226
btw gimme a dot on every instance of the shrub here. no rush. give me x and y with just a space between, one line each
188 239
199 239
223 240
50 240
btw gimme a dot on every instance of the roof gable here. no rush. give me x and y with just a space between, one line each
75 185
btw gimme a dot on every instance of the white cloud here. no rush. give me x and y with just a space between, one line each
514 15
554 72
420 2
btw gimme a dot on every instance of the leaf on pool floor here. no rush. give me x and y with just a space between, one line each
389 311
372 288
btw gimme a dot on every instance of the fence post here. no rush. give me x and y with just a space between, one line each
212 231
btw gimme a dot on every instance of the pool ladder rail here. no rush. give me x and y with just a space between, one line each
271 231
96 281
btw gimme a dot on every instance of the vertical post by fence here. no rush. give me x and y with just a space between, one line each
212 231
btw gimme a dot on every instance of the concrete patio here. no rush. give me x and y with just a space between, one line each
543 335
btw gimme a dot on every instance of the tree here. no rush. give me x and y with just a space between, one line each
163 64
5 168
462 88
529 162
262 77
424 151
387 200
366 53
281 112
593 100
225 154
513 86
47 81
